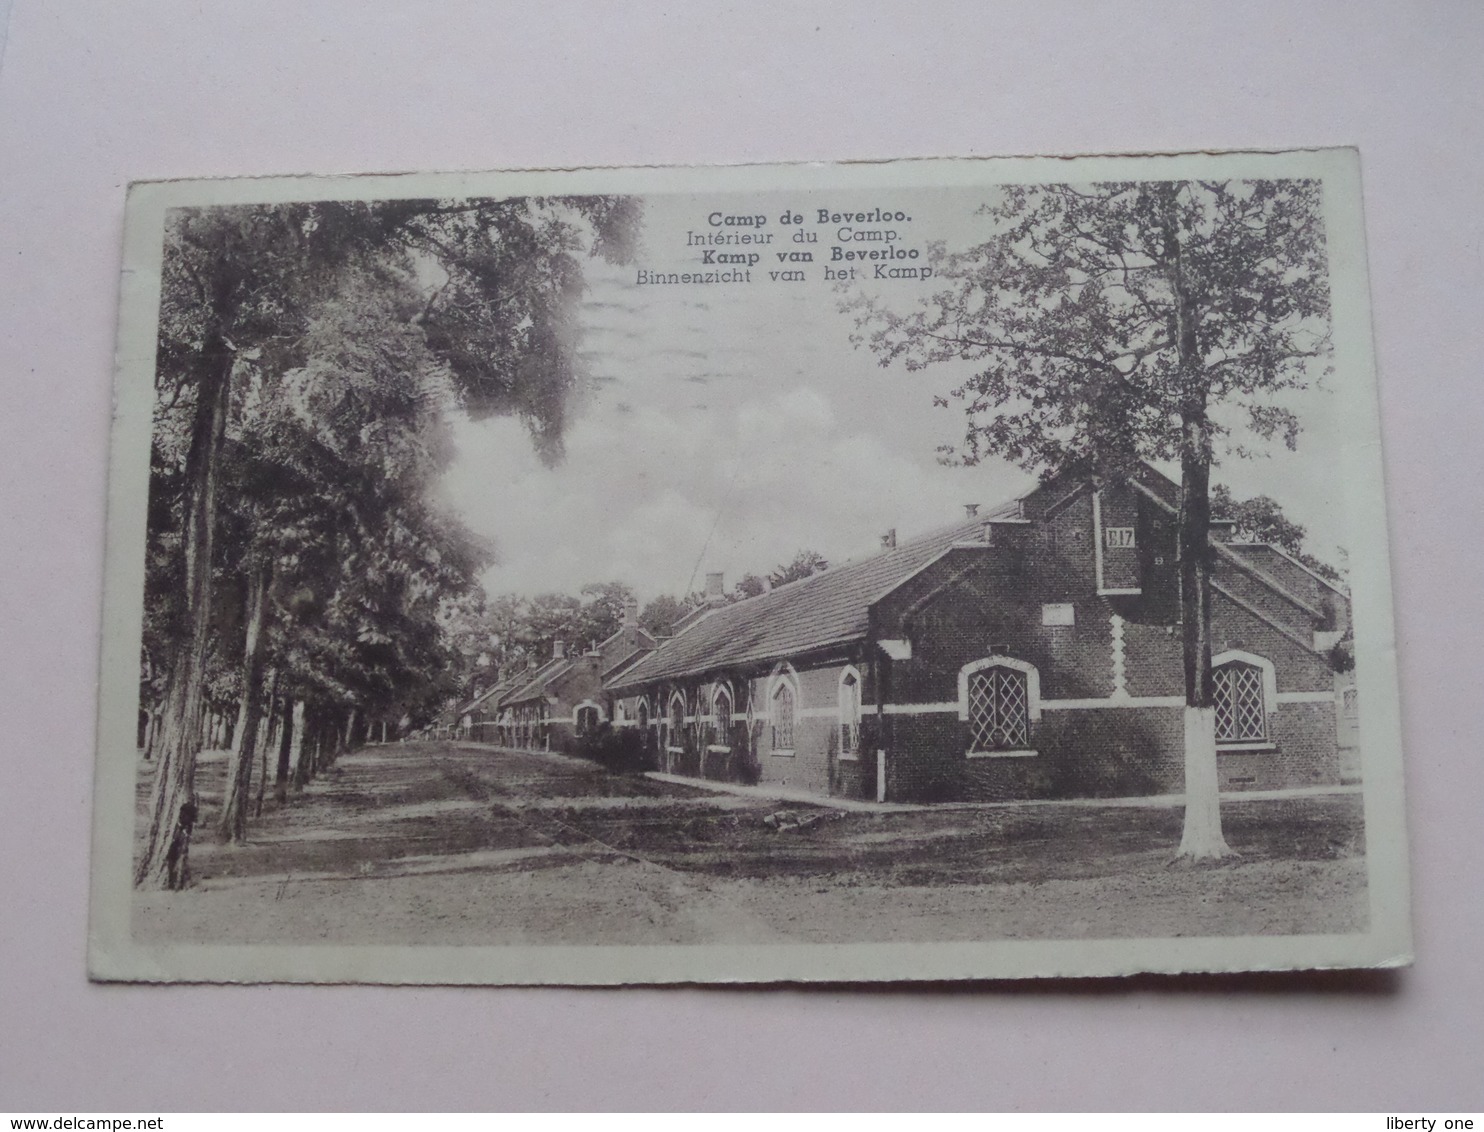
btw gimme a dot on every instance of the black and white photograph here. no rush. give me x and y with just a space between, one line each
923 570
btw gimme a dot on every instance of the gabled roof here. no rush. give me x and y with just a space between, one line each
1259 549
832 607
482 699
617 662
823 609
639 631
538 680
624 665
686 620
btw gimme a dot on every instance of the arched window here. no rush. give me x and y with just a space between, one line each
677 721
721 713
644 716
782 708
1246 690
999 697
587 720
999 710
1241 713
850 713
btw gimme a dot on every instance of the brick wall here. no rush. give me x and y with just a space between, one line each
974 602
1122 752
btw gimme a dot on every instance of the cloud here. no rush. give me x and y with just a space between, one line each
661 493
802 441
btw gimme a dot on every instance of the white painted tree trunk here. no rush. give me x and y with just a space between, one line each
1202 839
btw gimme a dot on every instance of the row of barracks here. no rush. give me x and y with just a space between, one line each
1032 650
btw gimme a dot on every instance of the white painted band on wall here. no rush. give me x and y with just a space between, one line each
1113 702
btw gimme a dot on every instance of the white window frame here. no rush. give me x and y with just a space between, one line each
783 678
1269 699
850 673
717 692
1032 705
670 744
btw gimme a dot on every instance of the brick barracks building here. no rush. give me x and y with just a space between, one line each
1030 651
1033 650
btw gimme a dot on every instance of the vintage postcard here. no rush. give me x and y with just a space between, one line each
897 571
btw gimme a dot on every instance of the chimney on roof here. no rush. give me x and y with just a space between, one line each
971 510
715 591
889 540
558 650
630 612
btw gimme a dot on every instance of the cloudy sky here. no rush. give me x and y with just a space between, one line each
730 426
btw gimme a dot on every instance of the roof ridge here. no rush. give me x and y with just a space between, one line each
827 607
850 563
1281 553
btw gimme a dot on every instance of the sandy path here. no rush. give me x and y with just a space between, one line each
448 845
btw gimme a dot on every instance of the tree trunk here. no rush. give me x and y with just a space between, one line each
172 809
1201 838
267 741
350 729
233 824
303 748
291 711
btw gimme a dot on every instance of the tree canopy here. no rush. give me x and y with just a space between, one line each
1261 519
1097 318
1101 325
308 357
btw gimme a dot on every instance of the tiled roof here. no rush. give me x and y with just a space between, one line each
822 609
538 681
625 664
485 696
627 660
1261 550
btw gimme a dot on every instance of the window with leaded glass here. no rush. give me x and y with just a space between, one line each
1241 715
999 710
850 714
677 722
783 718
721 710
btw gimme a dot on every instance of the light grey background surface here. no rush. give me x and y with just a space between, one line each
93 95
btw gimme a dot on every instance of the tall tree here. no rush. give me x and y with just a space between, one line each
749 585
659 616
243 295
1110 323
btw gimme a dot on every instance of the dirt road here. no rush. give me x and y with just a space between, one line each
453 844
